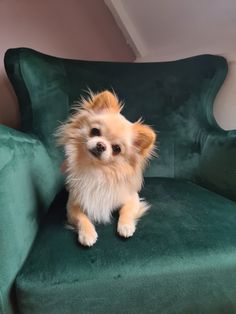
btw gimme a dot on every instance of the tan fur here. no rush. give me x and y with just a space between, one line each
100 185
64 167
144 138
77 218
130 212
104 101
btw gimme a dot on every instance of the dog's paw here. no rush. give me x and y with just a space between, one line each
126 230
87 237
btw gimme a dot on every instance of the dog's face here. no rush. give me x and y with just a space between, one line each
108 137
98 134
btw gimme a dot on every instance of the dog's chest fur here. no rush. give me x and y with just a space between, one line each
97 194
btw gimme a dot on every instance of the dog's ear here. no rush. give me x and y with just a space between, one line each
144 138
104 101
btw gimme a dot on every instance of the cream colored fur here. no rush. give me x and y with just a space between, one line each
99 185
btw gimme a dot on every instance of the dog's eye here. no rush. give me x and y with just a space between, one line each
95 132
116 149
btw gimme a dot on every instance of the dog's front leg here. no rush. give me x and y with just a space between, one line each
87 234
129 213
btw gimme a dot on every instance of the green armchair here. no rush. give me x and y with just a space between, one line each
182 258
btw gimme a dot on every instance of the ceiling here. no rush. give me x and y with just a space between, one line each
160 30
165 30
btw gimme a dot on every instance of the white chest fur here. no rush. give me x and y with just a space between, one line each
98 195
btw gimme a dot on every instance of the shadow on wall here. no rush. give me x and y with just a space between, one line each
83 29
9 110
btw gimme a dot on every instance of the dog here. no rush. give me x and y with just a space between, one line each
105 158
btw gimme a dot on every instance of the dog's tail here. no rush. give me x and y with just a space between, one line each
143 208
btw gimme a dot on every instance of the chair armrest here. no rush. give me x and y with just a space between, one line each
29 182
218 163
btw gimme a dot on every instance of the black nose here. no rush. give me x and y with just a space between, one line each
100 147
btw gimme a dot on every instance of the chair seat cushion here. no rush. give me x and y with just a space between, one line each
182 259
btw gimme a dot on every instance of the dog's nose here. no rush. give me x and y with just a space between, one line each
101 147
98 149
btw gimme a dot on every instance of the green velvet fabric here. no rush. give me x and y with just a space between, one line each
217 164
29 181
182 259
176 98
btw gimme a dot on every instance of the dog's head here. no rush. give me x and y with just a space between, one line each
98 134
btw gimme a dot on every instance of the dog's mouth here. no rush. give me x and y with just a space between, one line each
95 153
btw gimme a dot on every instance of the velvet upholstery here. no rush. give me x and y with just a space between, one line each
174 97
29 180
182 257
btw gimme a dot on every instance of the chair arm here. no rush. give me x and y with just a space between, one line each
29 182
217 166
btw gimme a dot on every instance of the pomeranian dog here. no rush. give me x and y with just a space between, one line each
105 158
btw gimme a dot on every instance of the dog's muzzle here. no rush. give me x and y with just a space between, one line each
98 149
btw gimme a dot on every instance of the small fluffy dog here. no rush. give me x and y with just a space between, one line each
105 159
